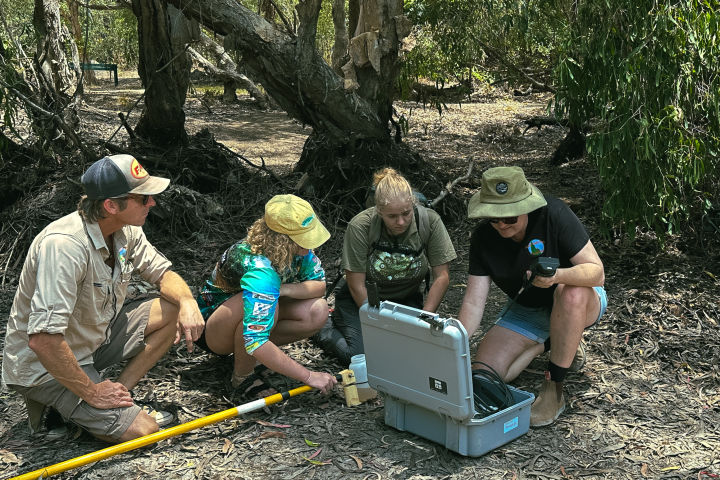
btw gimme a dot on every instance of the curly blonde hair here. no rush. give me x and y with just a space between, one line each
391 186
277 247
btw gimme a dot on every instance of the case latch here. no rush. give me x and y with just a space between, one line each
435 323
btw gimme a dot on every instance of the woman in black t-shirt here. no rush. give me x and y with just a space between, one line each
521 225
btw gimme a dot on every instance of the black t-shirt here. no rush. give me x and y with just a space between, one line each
552 231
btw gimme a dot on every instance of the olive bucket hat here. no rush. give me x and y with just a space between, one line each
505 192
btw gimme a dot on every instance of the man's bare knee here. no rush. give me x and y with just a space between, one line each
163 314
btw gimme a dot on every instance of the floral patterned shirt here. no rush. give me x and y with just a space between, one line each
241 271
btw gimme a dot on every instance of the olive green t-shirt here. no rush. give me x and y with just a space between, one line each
400 273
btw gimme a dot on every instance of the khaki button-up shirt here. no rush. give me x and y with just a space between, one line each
66 287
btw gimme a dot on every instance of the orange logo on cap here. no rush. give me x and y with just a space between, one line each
137 170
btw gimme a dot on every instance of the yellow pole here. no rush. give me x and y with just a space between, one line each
161 435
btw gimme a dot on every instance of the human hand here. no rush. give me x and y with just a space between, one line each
190 323
322 381
108 394
544 282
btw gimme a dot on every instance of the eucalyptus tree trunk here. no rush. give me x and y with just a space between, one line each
350 115
374 45
340 47
164 68
77 33
353 15
56 81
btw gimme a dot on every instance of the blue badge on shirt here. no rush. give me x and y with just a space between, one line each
536 247
121 255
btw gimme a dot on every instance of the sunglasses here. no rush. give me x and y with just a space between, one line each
140 198
506 220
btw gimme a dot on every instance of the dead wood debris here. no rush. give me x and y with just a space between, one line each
647 404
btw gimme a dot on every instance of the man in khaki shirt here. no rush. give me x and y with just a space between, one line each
69 319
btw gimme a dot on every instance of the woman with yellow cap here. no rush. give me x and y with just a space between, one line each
267 291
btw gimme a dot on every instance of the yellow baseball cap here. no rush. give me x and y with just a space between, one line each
296 218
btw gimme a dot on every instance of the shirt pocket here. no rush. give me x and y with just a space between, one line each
126 272
94 300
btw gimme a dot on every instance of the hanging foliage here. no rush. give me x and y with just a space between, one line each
646 74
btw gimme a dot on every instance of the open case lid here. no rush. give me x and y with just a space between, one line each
418 357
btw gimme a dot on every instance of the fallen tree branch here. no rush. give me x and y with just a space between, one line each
282 17
125 124
445 191
10 254
228 74
285 65
224 59
539 121
501 58
259 167
55 117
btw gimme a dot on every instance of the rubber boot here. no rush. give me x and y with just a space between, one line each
548 405
324 337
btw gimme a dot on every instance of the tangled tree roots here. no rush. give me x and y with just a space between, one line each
341 174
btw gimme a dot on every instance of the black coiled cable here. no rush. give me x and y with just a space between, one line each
491 395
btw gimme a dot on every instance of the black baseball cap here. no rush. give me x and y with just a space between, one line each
118 175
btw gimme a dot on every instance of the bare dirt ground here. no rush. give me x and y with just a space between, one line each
647 405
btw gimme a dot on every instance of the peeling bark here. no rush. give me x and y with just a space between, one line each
50 52
305 86
56 82
339 53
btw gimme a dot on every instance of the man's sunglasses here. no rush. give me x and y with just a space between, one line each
141 198
506 220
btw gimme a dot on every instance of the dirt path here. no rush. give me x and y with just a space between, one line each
647 404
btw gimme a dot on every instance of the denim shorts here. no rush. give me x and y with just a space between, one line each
534 322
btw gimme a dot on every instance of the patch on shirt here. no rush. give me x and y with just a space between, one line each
121 255
536 247
256 327
394 266
261 309
251 345
262 296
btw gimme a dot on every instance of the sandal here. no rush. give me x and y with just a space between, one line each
259 371
255 383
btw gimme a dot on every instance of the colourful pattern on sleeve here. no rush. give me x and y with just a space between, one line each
304 268
240 270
